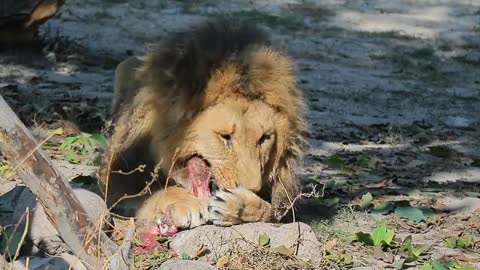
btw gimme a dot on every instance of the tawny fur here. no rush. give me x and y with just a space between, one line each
219 91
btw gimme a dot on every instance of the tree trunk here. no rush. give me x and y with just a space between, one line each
53 192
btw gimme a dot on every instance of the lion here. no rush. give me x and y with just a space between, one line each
216 110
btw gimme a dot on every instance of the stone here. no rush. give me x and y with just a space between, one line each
9 194
463 92
70 171
455 205
177 264
42 234
459 122
220 239
51 263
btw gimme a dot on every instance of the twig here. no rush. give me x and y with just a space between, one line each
9 240
89 236
290 200
297 241
311 194
24 234
111 261
174 160
143 191
109 170
140 168
118 216
200 252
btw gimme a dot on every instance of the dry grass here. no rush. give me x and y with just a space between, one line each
263 259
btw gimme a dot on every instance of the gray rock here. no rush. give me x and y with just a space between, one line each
221 239
37 263
9 194
50 263
177 264
463 92
71 171
456 205
459 122
42 233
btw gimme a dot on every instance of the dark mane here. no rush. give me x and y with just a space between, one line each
184 60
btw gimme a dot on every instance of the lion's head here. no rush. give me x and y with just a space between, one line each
226 99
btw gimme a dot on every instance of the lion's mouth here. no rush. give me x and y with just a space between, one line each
201 176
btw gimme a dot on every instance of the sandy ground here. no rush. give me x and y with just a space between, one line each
396 83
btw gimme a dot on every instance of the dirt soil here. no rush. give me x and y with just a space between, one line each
393 92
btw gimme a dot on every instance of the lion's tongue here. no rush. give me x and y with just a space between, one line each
200 176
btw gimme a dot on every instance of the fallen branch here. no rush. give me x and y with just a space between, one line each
61 205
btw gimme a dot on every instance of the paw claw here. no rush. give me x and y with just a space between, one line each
222 223
217 198
225 207
227 191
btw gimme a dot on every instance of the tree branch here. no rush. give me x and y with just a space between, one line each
61 205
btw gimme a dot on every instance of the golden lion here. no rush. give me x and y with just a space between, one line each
218 110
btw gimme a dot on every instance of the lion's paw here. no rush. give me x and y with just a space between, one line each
185 215
174 207
227 205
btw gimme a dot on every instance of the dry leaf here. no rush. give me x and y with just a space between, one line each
202 250
70 128
283 250
223 261
329 245
376 185
384 256
347 258
263 240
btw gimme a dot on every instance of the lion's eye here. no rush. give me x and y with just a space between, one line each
263 139
227 138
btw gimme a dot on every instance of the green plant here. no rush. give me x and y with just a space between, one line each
463 241
367 162
366 200
380 236
339 258
86 144
410 251
335 162
5 169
